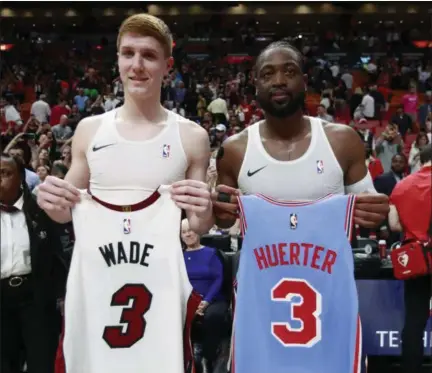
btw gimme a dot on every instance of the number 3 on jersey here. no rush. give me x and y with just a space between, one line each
132 316
306 312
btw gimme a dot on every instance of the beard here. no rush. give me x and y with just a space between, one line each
283 108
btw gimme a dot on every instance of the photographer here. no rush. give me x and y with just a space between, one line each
388 144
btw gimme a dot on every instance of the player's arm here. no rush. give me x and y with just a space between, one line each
371 208
350 152
228 163
193 194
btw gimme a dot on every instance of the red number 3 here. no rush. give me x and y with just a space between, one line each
132 316
307 312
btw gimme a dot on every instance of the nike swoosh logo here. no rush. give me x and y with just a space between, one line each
96 148
249 173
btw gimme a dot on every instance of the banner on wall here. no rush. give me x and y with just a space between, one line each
382 314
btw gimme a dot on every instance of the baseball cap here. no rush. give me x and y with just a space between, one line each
221 127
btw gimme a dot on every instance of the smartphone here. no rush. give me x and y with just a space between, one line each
29 136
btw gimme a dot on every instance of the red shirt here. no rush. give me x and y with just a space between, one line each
412 199
375 168
56 112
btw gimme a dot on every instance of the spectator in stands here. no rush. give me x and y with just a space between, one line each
414 155
41 110
180 92
355 100
74 117
386 182
42 158
387 145
379 101
201 106
373 164
178 109
326 101
58 110
410 103
62 132
13 150
428 127
205 272
425 110
322 113
219 136
80 99
11 113
66 157
31 275
110 102
410 213
368 104
219 109
348 79
403 121
365 133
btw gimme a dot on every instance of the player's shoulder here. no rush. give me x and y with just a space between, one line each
191 128
340 132
237 141
87 128
89 124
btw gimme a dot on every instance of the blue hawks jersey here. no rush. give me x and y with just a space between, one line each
296 305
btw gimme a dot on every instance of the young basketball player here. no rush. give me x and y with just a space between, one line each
141 145
129 302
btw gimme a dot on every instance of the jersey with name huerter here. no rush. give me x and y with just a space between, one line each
129 302
296 304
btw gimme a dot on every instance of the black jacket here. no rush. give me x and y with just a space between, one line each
48 269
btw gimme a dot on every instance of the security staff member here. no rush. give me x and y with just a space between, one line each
32 277
410 213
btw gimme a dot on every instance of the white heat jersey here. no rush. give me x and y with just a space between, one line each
314 175
129 302
117 164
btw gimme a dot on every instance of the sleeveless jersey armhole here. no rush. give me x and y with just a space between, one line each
242 217
349 216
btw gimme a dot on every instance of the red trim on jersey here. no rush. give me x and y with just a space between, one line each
232 355
192 305
358 348
292 203
242 216
129 208
59 363
349 217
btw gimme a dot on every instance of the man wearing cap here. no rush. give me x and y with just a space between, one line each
219 136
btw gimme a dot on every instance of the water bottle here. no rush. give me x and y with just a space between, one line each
382 246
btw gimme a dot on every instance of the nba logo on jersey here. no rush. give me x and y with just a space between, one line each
126 226
166 151
320 167
293 221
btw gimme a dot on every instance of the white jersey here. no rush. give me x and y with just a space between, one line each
314 175
129 302
117 164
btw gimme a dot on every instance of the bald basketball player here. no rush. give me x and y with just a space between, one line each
141 145
290 156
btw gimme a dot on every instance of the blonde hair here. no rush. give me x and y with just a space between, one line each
147 25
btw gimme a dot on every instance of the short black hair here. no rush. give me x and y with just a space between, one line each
280 44
29 206
426 154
